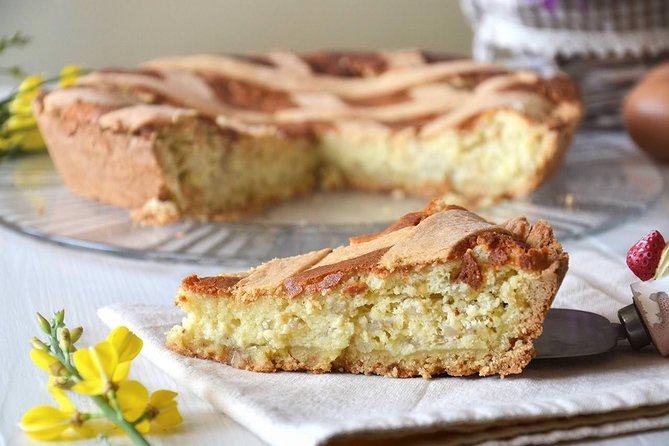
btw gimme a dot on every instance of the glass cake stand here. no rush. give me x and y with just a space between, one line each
603 182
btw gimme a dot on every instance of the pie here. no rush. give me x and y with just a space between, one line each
441 291
216 137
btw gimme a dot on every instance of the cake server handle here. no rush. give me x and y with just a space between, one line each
646 321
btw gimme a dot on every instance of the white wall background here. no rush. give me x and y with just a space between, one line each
98 33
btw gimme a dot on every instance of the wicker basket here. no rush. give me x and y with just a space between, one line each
605 45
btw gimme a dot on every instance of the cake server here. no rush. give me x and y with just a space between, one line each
575 333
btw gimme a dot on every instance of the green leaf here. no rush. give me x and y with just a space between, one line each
18 39
13 71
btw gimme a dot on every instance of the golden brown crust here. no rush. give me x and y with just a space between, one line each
248 96
457 364
470 273
530 248
327 276
346 63
556 89
558 143
215 285
410 219
243 95
426 366
407 220
94 163
268 278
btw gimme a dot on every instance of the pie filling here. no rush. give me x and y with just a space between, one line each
209 173
500 154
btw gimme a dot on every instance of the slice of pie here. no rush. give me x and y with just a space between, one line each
441 291
218 137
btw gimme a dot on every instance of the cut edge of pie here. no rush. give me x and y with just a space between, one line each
442 291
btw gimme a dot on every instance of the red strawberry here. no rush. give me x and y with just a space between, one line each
644 256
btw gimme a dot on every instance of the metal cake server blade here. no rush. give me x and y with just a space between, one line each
575 333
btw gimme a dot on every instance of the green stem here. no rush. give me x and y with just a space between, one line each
61 356
85 416
112 415
145 416
121 422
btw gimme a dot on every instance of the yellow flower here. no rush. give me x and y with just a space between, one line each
127 346
98 368
32 140
19 122
46 362
47 422
8 138
69 75
162 410
10 141
28 90
24 132
132 398
108 363
164 403
126 343
21 127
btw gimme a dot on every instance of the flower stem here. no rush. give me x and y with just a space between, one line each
85 416
127 427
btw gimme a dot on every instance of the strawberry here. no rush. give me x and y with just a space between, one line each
644 256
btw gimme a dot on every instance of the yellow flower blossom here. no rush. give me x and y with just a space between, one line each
126 343
69 75
28 90
127 346
10 141
20 129
162 410
32 140
24 132
132 398
19 122
45 361
97 367
108 363
48 423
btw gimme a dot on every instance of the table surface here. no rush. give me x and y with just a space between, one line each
36 276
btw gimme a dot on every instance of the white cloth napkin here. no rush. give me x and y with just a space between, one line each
552 400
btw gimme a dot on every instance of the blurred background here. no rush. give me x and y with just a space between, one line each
97 33
606 46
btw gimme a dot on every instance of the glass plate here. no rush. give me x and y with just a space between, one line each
604 181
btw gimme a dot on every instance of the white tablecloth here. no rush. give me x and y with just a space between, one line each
35 276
